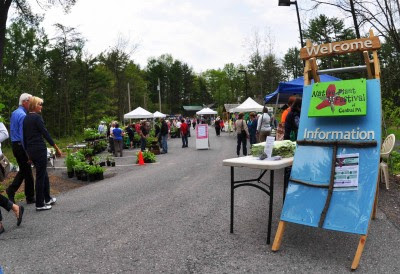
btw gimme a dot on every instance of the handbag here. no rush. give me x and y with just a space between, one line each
4 167
243 132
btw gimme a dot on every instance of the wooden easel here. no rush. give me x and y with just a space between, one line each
311 72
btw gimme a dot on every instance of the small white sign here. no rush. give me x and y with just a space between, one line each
269 145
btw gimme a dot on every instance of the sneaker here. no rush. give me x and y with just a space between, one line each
45 207
51 202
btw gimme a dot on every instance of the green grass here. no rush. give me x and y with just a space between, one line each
394 130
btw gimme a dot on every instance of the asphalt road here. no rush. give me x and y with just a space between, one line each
173 216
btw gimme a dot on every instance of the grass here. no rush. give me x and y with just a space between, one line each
395 131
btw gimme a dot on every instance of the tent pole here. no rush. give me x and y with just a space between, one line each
276 104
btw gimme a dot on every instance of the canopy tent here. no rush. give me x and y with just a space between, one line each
206 111
248 106
138 113
158 114
287 89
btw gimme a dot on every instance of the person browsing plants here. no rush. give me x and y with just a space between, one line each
34 132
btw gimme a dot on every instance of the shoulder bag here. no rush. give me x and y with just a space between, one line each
4 167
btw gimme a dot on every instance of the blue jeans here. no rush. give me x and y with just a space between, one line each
164 143
184 140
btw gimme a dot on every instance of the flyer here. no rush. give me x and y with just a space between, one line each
346 172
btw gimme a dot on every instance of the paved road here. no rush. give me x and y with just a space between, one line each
173 217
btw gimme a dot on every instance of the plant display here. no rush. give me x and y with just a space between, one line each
69 162
285 149
91 134
148 157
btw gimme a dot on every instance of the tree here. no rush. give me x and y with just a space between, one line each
292 65
24 10
323 30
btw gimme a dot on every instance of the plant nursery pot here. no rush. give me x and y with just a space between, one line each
101 176
113 164
108 163
70 174
102 164
84 177
92 177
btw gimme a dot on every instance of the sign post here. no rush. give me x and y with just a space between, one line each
340 126
202 140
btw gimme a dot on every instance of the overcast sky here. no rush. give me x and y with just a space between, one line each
203 33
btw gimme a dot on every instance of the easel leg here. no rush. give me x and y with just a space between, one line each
359 251
232 197
278 236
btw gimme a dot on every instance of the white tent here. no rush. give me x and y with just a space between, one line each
247 106
158 114
138 113
206 111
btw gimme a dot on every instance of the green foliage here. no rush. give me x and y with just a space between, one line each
148 157
70 161
91 134
395 162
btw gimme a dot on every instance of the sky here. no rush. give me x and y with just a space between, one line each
205 34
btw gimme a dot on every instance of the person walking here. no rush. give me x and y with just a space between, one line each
143 135
34 131
118 140
217 126
252 126
194 121
131 134
189 123
264 126
184 130
5 203
164 136
293 120
242 134
17 135
111 138
178 126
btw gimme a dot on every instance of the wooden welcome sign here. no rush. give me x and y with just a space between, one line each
336 188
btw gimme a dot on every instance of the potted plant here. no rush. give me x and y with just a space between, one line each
91 172
99 173
79 166
112 162
108 159
148 157
70 162
84 174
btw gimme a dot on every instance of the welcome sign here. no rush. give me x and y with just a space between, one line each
339 98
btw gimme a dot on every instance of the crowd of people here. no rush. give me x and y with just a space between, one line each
162 131
256 127
28 134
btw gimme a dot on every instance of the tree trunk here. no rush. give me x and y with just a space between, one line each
4 7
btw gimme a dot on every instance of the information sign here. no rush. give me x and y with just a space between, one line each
339 98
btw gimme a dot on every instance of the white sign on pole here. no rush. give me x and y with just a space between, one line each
202 141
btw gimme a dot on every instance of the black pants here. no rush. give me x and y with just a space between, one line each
6 204
24 173
241 140
39 159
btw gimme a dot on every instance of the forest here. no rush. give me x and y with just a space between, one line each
79 89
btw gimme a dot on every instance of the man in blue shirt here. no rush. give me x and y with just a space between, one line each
25 171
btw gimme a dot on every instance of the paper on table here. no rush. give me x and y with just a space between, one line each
269 145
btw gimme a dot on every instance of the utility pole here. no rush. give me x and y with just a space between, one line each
159 93
129 99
